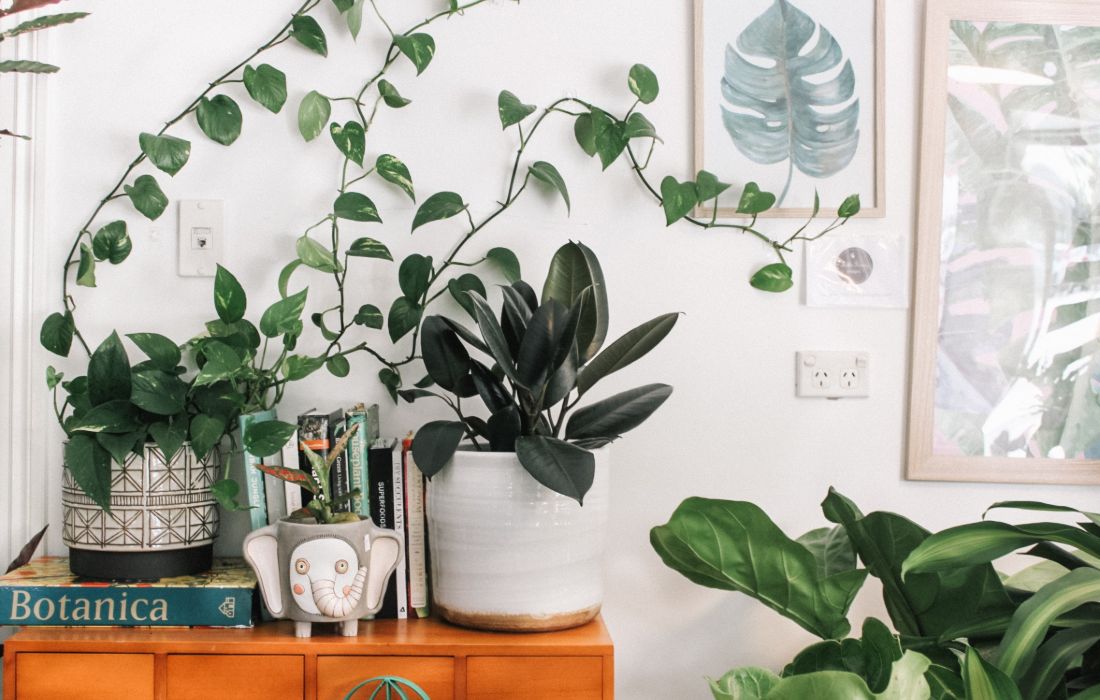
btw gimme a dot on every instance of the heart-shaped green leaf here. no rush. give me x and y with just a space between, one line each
777 277
403 317
369 316
643 83
390 95
168 153
313 114
147 197
511 109
297 367
609 137
393 170
309 34
158 392
281 317
268 437
754 201
220 119
677 199
230 300
638 127
90 466
169 437
338 366
849 207
267 85
350 139
162 352
57 333
418 48
413 276
505 261
109 372
354 206
313 254
708 186
112 243
459 288
205 432
369 248
549 174
441 205
584 130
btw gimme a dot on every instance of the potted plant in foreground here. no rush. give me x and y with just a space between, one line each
143 475
517 519
321 564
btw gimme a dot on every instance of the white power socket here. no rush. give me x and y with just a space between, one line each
832 375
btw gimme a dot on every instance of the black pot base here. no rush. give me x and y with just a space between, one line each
140 566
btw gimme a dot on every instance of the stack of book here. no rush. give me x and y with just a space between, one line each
389 487
45 592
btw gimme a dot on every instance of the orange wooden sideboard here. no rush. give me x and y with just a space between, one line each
269 663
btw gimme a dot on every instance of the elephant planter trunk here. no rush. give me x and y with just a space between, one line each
312 572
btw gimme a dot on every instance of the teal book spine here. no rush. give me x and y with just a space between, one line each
85 606
358 450
253 477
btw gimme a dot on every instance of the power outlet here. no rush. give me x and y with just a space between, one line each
833 375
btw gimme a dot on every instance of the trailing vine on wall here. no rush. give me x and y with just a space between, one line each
244 367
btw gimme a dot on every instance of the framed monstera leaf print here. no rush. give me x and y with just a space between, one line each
1006 337
789 94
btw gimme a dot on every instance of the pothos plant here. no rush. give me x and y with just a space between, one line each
422 279
539 359
17 65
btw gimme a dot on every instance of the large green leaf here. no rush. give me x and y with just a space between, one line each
543 335
418 48
112 243
907 682
779 109
267 85
281 317
435 443
309 34
557 465
547 173
413 276
872 657
350 139
205 432
441 205
749 683
158 392
630 347
403 316
109 372
643 83
168 153
920 605
268 437
832 549
733 545
147 197
57 333
392 170
573 269
169 436
116 416
978 543
1055 657
230 300
984 681
615 415
1042 507
162 351
493 336
511 109
220 119
90 466
313 114
445 357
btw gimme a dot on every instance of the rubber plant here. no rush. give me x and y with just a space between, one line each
32 25
1035 635
257 377
538 360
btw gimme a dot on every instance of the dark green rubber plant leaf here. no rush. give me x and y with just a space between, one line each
630 347
557 465
616 414
435 443
735 546
789 94
573 269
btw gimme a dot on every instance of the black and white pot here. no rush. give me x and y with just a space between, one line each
162 522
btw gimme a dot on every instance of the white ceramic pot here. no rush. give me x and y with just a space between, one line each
510 554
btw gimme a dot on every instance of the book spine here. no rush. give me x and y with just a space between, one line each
292 494
339 474
81 606
313 433
415 540
253 477
380 498
402 570
357 460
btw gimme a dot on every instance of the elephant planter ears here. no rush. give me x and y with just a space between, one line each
312 572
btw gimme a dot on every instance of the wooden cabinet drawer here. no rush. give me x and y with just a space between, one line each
203 676
534 678
85 676
336 675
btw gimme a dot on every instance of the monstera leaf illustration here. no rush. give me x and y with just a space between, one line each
784 101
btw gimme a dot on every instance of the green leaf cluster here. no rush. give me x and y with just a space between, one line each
530 364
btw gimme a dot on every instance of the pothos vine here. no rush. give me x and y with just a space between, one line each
238 370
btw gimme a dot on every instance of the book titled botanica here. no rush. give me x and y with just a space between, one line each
45 592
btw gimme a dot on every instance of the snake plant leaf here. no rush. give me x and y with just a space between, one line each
984 681
778 107
735 546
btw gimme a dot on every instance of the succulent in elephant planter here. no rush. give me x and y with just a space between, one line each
517 519
319 564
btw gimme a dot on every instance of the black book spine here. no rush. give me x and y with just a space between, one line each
380 468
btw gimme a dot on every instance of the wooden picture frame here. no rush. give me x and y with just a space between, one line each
1021 242
729 161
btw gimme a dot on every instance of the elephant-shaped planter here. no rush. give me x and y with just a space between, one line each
312 572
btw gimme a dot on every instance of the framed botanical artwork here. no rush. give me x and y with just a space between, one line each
789 94
1006 356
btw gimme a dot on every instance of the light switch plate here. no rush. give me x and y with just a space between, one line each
832 375
201 237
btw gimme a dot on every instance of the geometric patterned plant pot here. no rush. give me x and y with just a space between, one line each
162 522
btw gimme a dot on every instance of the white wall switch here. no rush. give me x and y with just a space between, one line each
201 237
832 375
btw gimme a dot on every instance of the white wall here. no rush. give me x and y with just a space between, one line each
732 429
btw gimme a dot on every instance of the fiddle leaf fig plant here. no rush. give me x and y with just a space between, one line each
530 364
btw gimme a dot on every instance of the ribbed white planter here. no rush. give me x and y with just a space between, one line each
509 554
